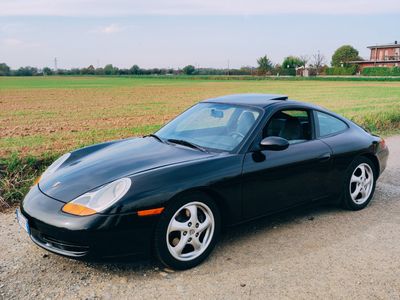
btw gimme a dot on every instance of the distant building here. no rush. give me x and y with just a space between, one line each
382 56
303 71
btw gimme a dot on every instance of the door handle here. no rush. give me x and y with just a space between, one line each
325 157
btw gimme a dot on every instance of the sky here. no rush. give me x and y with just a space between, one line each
175 33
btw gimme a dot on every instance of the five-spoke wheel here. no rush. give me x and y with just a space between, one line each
187 231
190 231
360 184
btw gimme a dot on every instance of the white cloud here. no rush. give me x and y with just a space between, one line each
194 7
109 29
113 28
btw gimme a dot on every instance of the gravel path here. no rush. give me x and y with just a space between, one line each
313 252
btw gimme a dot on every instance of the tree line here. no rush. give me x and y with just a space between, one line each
109 69
316 63
341 62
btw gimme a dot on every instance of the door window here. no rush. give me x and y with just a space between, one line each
292 125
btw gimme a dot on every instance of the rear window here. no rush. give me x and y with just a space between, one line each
329 124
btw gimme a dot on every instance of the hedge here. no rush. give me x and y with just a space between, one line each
352 70
287 72
381 71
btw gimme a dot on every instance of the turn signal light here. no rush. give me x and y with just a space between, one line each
77 209
37 180
150 212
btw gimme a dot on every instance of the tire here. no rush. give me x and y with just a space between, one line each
187 231
359 185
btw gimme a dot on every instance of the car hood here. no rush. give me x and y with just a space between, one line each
94 166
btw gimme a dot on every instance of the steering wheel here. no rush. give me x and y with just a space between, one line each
236 135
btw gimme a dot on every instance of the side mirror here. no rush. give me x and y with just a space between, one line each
274 143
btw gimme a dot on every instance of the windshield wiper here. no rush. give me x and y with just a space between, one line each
155 136
188 144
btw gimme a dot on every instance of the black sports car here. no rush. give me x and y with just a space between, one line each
223 161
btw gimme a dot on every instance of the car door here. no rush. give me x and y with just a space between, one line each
335 133
275 180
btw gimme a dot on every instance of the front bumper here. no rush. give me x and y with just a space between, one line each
85 237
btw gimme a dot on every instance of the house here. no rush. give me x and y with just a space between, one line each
382 56
303 71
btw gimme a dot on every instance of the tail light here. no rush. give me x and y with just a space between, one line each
382 143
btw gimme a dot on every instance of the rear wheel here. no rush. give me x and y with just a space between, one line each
360 184
187 231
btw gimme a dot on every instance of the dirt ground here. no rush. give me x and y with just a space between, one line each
314 252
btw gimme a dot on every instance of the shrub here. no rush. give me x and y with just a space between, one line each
352 70
379 121
381 71
288 72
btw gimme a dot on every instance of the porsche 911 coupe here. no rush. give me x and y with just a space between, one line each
222 162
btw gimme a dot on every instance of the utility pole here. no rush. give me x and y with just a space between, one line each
55 65
228 67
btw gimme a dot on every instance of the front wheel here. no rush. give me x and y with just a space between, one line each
187 231
360 184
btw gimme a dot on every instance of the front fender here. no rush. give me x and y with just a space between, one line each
221 175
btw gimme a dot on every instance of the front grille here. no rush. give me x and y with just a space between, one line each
57 246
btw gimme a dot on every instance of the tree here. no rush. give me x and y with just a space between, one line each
91 70
292 62
343 55
189 70
47 71
264 65
99 71
73 71
135 70
318 61
110 69
124 72
26 71
304 60
88 71
4 70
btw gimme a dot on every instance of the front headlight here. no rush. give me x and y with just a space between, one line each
53 167
97 201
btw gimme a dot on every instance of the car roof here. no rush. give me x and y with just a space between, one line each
264 100
260 100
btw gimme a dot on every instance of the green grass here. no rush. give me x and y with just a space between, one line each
77 82
17 175
43 117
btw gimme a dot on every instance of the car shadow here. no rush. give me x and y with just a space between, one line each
232 235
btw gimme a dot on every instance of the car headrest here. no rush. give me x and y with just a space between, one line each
292 129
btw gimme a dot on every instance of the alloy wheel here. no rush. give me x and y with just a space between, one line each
190 231
361 183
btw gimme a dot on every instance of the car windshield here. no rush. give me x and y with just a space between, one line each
211 125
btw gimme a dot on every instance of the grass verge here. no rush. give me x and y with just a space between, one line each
17 176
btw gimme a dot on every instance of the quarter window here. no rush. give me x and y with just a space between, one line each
329 125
